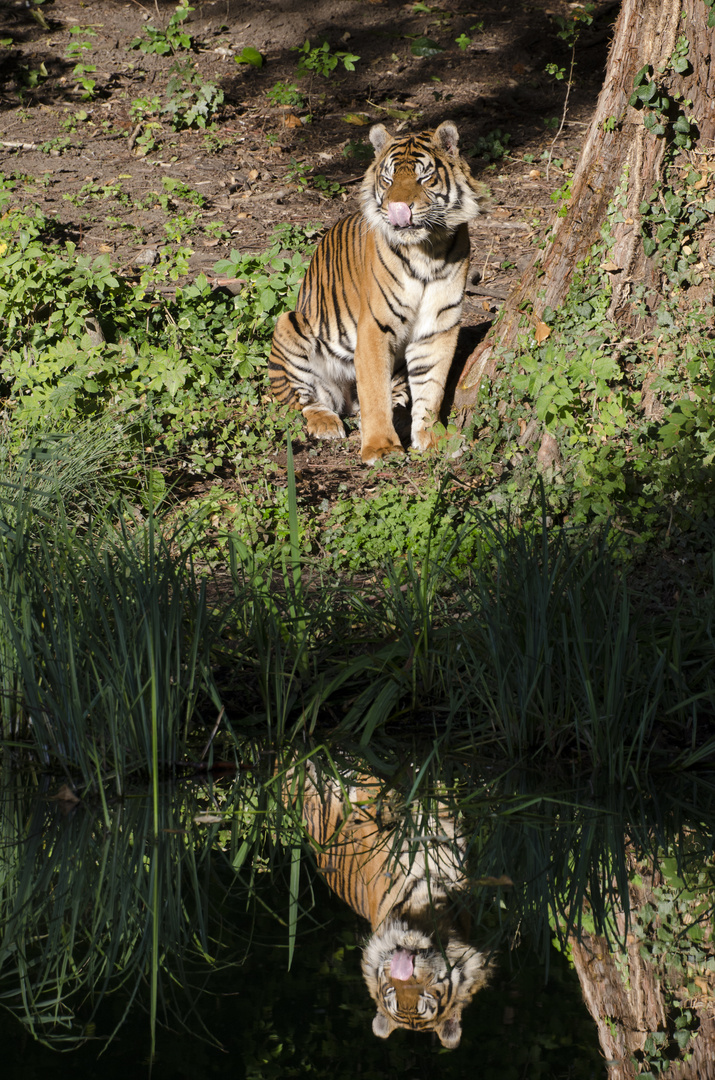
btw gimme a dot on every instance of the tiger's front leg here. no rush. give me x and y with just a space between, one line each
429 360
373 371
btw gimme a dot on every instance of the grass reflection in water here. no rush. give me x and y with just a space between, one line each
231 900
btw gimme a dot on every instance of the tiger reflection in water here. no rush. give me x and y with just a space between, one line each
418 965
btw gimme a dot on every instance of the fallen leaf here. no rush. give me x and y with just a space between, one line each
359 119
395 114
548 455
541 332
610 267
291 120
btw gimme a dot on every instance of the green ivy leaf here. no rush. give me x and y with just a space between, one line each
424 46
250 56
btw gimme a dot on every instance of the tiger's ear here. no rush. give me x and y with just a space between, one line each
379 136
447 137
381 1026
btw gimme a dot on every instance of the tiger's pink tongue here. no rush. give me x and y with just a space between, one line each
402 965
399 214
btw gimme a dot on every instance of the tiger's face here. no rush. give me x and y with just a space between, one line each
418 187
419 986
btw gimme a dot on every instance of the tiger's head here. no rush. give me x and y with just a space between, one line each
418 985
418 186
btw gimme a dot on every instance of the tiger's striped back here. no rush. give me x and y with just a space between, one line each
418 965
378 312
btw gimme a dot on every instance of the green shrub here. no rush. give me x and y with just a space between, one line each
181 362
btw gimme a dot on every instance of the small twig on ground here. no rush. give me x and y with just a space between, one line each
133 137
20 145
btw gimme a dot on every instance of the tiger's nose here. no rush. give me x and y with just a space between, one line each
399 214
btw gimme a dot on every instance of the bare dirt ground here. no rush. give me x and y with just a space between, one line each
248 167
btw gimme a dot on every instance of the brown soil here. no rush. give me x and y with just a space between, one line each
242 168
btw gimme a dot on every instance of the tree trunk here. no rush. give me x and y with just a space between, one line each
622 159
654 1002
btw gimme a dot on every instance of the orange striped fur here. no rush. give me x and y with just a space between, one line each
418 965
378 313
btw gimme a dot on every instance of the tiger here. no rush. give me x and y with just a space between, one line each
378 312
418 965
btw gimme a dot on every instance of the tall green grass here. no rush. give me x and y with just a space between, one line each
114 664
105 639
540 652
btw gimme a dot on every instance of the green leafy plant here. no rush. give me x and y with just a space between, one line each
82 72
555 71
492 146
171 40
634 437
55 146
660 110
282 93
191 101
298 174
142 108
332 188
679 61
75 51
76 48
464 41
164 356
321 60
571 25
31 77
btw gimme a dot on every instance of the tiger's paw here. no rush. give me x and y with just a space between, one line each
424 439
323 423
372 452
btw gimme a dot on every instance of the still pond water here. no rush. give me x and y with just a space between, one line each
207 912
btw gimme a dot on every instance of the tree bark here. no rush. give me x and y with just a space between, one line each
641 991
621 159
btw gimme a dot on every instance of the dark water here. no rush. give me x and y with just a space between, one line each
257 963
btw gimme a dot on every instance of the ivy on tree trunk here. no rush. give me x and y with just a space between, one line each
658 97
